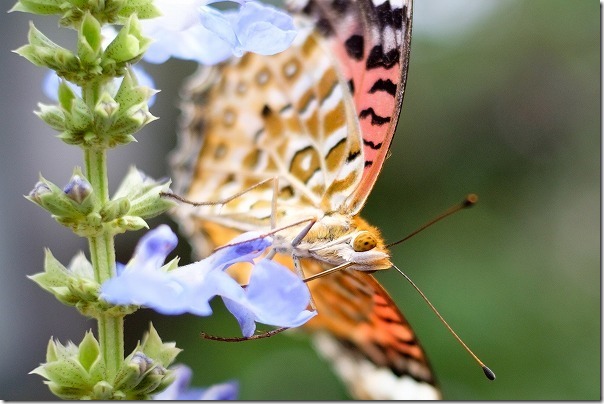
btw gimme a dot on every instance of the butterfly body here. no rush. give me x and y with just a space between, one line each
319 117
337 239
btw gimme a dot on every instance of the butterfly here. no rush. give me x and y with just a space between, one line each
319 117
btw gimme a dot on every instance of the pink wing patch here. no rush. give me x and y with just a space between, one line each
372 40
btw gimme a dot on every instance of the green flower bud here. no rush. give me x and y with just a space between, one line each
62 282
105 110
129 45
128 223
76 286
143 362
89 43
130 122
43 52
110 11
76 372
144 372
131 95
54 275
162 352
150 383
114 209
53 199
79 372
144 194
136 365
151 204
104 391
78 116
36 194
133 113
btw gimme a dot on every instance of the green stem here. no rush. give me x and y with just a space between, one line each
102 253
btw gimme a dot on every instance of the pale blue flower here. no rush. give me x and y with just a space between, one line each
270 284
180 390
213 36
274 295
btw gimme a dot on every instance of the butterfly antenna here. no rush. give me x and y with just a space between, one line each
468 202
488 372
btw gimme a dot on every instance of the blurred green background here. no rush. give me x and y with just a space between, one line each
503 99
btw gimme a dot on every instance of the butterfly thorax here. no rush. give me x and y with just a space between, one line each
338 239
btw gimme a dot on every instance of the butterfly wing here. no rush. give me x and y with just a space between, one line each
369 342
264 117
311 117
372 40
371 345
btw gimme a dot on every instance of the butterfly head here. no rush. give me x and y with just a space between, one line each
358 243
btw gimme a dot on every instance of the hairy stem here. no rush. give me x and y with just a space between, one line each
102 253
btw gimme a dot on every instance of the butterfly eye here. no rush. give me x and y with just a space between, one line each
364 241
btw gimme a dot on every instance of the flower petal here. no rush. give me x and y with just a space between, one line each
153 248
214 21
185 289
278 296
194 31
274 296
264 29
180 390
195 43
243 248
244 316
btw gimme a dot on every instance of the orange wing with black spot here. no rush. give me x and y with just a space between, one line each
366 337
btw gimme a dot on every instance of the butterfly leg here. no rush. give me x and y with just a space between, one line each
297 264
300 273
274 203
298 239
